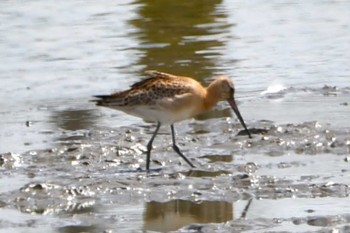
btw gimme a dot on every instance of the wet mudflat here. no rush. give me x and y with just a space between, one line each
68 166
288 177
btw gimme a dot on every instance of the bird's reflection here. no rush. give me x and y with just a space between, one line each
178 36
74 119
172 215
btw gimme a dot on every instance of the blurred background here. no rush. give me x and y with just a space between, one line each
289 61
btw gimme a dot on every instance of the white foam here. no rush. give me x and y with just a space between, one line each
275 88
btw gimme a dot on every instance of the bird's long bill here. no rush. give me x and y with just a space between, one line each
233 104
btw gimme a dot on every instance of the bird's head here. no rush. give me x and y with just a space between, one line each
223 89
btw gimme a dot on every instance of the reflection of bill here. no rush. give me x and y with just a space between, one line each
172 215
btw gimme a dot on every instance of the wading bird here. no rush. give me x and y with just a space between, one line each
166 99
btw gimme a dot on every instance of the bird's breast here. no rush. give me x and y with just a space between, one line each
156 114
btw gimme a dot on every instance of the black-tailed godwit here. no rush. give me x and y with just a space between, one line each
166 99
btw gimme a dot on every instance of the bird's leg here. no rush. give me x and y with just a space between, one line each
149 146
176 148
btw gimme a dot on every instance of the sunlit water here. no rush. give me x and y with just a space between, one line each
290 65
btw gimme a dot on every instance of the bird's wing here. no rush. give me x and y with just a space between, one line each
148 91
158 74
175 102
154 77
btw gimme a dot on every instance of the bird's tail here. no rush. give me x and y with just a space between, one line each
113 101
101 100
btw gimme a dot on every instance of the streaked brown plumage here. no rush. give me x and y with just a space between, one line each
166 99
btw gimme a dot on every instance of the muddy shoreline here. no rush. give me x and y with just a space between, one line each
93 173
67 166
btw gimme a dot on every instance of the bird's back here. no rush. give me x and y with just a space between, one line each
149 91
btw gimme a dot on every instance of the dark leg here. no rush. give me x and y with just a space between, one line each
149 146
176 148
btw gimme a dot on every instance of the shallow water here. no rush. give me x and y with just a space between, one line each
68 166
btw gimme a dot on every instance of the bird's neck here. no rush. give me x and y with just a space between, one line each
212 97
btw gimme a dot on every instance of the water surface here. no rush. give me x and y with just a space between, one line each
68 166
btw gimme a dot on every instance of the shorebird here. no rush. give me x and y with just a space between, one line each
166 98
